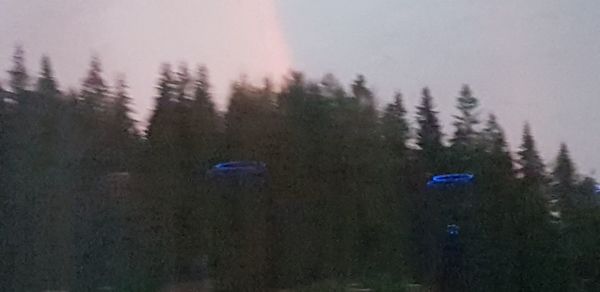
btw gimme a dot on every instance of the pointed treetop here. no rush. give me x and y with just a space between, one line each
166 83
398 98
429 135
466 100
202 96
94 89
531 166
184 81
360 90
394 124
564 170
465 133
159 126
426 93
493 135
396 108
46 83
94 80
494 144
122 108
18 73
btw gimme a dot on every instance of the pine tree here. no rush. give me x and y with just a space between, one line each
565 181
248 118
465 133
395 126
564 170
429 134
202 97
183 83
361 92
94 89
205 124
531 166
493 207
205 133
18 73
162 180
164 107
46 83
494 143
120 140
122 110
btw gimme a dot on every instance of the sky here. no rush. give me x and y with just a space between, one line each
535 60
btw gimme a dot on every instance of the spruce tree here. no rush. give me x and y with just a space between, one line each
202 96
564 170
122 110
94 90
46 83
163 108
183 83
18 74
465 133
361 92
162 180
531 167
429 134
395 126
494 143
565 181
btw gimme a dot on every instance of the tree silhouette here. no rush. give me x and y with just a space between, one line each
46 83
465 133
429 135
18 74
88 199
531 167
395 126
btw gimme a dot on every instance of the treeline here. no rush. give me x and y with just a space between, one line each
89 201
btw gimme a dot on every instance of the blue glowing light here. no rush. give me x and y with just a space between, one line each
240 165
598 189
453 230
238 168
454 179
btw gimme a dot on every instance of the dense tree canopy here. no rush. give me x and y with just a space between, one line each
91 200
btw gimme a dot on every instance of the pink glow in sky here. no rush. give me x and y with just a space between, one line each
231 37
534 61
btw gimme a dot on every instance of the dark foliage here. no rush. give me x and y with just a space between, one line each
88 200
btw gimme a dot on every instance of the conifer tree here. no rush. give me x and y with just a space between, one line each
122 110
565 181
162 114
46 83
94 91
531 167
361 92
465 133
18 74
395 126
494 143
429 134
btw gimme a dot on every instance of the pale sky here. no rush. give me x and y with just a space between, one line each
535 60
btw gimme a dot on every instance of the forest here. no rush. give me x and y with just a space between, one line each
89 199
